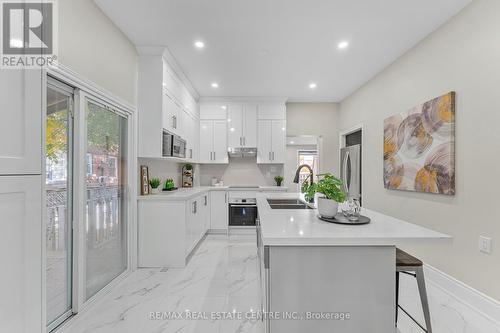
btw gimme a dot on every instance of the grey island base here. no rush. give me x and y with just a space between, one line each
319 277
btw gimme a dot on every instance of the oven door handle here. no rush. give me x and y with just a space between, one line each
244 206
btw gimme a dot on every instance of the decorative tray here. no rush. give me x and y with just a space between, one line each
169 189
341 219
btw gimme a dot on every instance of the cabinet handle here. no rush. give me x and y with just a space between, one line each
215 156
225 197
241 144
206 201
273 155
195 207
270 159
245 141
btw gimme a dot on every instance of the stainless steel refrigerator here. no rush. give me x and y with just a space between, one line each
350 170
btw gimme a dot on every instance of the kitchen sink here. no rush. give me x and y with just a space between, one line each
287 204
292 206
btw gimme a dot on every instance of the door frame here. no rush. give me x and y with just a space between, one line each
64 88
85 88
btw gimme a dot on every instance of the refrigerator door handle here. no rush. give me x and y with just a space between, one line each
344 174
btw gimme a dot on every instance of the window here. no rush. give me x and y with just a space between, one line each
308 157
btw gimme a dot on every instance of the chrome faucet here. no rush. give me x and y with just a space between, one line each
297 174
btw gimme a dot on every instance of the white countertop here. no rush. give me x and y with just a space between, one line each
302 227
188 193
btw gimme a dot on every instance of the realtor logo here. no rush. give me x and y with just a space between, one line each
27 34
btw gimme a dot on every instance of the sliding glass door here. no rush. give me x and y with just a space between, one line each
58 193
106 204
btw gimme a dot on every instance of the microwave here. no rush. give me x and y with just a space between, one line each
173 145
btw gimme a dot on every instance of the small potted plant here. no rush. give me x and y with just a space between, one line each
278 180
169 185
331 194
154 183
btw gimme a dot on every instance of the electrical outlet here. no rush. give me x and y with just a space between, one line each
485 244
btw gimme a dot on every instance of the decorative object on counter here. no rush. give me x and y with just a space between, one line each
419 148
341 219
351 209
214 181
155 184
332 194
187 175
278 180
169 185
144 180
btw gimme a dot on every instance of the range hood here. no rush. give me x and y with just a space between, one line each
242 152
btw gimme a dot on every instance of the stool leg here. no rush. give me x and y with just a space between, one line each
397 297
419 271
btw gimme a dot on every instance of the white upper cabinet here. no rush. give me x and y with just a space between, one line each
21 124
271 142
235 126
213 112
272 111
264 141
220 141
206 141
278 140
250 126
242 125
213 142
164 103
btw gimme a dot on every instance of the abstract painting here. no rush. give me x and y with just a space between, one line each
419 148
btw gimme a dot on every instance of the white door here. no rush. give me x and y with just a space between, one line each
21 254
220 141
235 126
278 141
218 210
250 126
21 123
206 141
264 143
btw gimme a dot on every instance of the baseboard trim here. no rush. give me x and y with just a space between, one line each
477 301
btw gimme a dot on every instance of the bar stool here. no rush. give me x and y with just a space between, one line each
408 264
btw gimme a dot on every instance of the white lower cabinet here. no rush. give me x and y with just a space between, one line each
21 254
218 211
168 231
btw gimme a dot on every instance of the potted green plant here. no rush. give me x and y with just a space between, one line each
278 180
189 167
169 184
331 194
154 183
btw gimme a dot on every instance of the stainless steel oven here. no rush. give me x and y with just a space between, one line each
178 147
167 144
242 212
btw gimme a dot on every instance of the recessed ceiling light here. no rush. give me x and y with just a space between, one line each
312 85
343 45
223 107
291 142
199 44
215 85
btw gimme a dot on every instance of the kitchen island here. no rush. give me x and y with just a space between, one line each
322 277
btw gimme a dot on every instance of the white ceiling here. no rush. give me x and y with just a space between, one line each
275 48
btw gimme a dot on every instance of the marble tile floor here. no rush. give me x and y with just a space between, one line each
221 278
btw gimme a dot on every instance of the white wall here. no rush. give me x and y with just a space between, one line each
166 169
462 56
240 171
91 45
319 119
